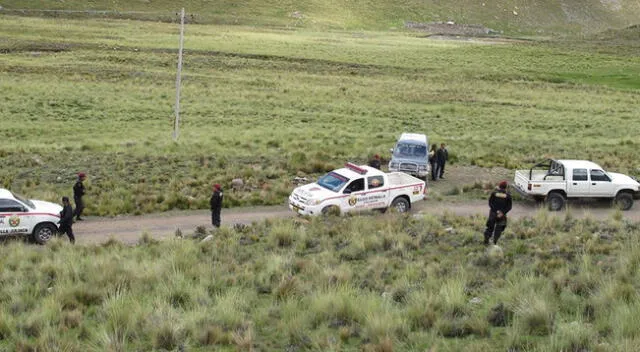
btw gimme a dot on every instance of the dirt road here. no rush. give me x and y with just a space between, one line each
129 229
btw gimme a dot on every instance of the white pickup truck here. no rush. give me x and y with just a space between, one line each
554 181
357 188
21 216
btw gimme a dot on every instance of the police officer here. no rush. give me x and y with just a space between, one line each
78 193
442 156
216 205
500 204
375 162
66 220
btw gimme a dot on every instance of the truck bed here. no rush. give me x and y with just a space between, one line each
539 185
402 179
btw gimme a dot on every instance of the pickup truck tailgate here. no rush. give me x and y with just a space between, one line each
521 180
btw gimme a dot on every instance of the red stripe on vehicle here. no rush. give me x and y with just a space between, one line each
28 214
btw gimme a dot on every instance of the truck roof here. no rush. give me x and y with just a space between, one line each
414 137
4 193
579 164
351 174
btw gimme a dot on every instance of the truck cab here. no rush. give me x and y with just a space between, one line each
556 180
357 188
411 155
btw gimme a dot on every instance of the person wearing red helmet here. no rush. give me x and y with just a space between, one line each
78 193
216 205
500 204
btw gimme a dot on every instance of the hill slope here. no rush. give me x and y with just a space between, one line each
527 16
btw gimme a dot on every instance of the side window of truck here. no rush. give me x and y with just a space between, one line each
375 182
599 175
355 186
580 175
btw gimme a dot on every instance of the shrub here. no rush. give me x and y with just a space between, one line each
535 316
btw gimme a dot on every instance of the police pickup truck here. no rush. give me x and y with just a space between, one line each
20 216
357 188
554 181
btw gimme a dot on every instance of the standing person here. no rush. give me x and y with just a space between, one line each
216 205
78 193
432 160
442 155
500 205
66 220
375 162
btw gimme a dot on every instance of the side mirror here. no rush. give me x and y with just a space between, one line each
347 191
24 210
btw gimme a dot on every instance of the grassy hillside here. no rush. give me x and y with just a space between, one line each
265 105
539 16
339 284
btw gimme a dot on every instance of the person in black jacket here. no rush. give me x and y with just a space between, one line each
500 204
442 155
66 220
78 193
375 162
216 205
432 161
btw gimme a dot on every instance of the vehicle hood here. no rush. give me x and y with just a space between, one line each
623 179
46 207
420 161
313 191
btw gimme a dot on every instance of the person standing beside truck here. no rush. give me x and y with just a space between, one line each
432 160
78 193
500 204
375 162
442 155
216 205
66 220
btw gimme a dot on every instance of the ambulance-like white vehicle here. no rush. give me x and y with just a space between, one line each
21 216
357 188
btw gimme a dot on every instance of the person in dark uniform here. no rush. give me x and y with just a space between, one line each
216 205
66 220
78 193
442 155
500 205
375 162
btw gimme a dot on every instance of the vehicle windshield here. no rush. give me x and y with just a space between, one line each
408 150
24 200
332 181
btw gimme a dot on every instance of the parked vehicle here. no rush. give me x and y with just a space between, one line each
554 181
20 216
411 155
357 188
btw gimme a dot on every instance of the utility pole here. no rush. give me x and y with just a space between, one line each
176 125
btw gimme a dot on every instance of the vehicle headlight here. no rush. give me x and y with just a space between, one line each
422 167
313 201
393 165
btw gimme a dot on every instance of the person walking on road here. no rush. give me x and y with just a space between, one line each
216 205
432 160
66 220
375 162
442 155
78 193
500 205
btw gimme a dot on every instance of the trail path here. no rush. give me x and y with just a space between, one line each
129 229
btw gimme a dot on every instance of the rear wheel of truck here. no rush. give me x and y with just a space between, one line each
401 205
43 233
623 200
555 201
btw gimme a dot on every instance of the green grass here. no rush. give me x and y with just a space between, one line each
413 287
268 104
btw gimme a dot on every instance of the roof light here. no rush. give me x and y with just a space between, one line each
355 168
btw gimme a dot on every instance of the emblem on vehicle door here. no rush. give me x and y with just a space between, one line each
353 201
14 221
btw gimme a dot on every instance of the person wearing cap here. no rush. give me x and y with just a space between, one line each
216 205
66 220
375 162
500 204
78 193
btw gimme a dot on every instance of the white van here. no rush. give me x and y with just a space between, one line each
411 155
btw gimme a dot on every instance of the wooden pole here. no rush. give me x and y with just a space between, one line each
176 125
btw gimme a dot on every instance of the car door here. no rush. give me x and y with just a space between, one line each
353 193
13 218
579 184
377 195
601 185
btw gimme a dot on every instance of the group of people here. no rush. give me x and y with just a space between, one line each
438 158
67 213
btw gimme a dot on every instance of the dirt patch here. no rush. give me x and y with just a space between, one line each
451 28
